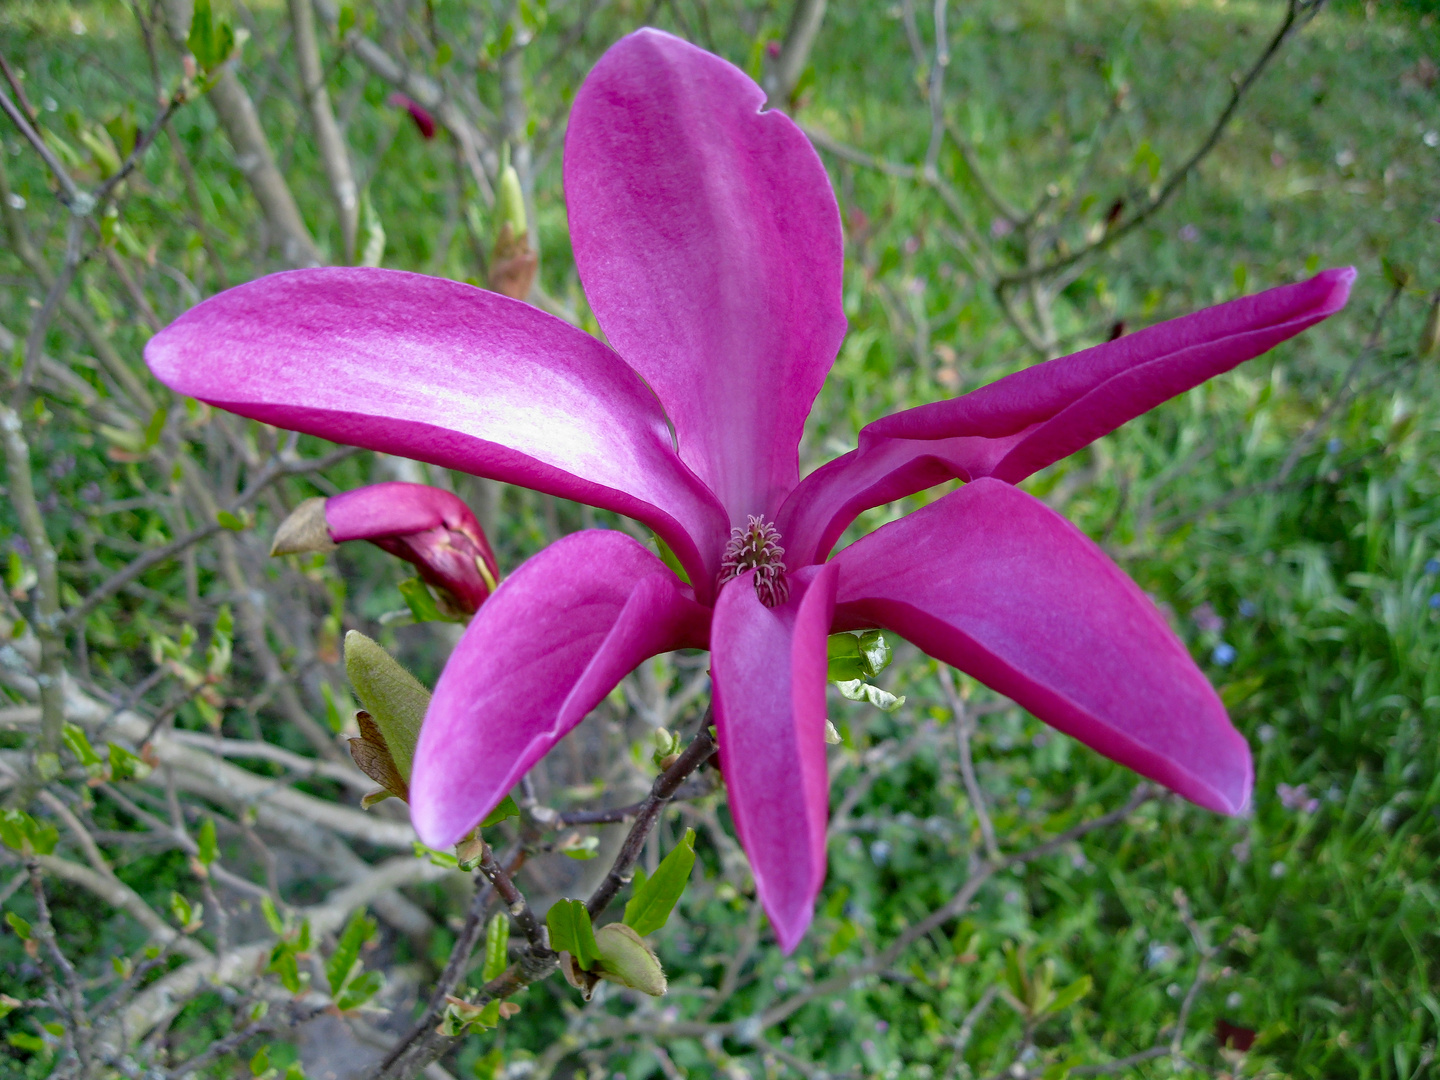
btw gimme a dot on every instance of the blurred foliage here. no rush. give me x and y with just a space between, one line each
1310 594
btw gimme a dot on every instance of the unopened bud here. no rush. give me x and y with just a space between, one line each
424 122
510 202
513 262
627 960
392 696
429 528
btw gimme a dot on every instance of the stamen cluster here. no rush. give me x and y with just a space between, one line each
756 546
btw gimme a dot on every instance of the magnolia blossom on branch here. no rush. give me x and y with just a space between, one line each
709 242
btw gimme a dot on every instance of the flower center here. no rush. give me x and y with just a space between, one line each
756 546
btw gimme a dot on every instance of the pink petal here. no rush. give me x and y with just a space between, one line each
1033 418
431 528
442 372
555 638
992 581
769 672
709 243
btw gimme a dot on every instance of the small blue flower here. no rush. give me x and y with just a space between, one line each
1224 653
1432 566
1333 446
1247 609
1435 600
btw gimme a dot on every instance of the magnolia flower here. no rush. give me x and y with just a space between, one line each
427 527
709 243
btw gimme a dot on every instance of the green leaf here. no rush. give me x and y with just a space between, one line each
506 809
422 603
845 660
261 1061
127 766
490 1066
272 916
201 41
876 651
209 849
229 521
341 965
19 925
25 1041
584 850
79 745
437 858
283 966
364 986
186 914
1071 994
571 931
22 832
497 938
858 690
156 427
650 906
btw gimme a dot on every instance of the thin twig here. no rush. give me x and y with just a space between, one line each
964 728
666 784
1297 14
275 470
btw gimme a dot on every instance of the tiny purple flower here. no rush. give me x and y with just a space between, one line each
1206 619
1297 797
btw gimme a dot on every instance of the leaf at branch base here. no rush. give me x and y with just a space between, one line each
572 932
655 898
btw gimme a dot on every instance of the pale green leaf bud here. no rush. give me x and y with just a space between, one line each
627 960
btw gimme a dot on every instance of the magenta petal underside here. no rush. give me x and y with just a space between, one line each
397 509
709 242
769 672
992 581
544 650
1017 425
446 373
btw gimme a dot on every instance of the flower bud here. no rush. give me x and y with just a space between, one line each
423 120
429 528
510 202
512 262
393 698
627 960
